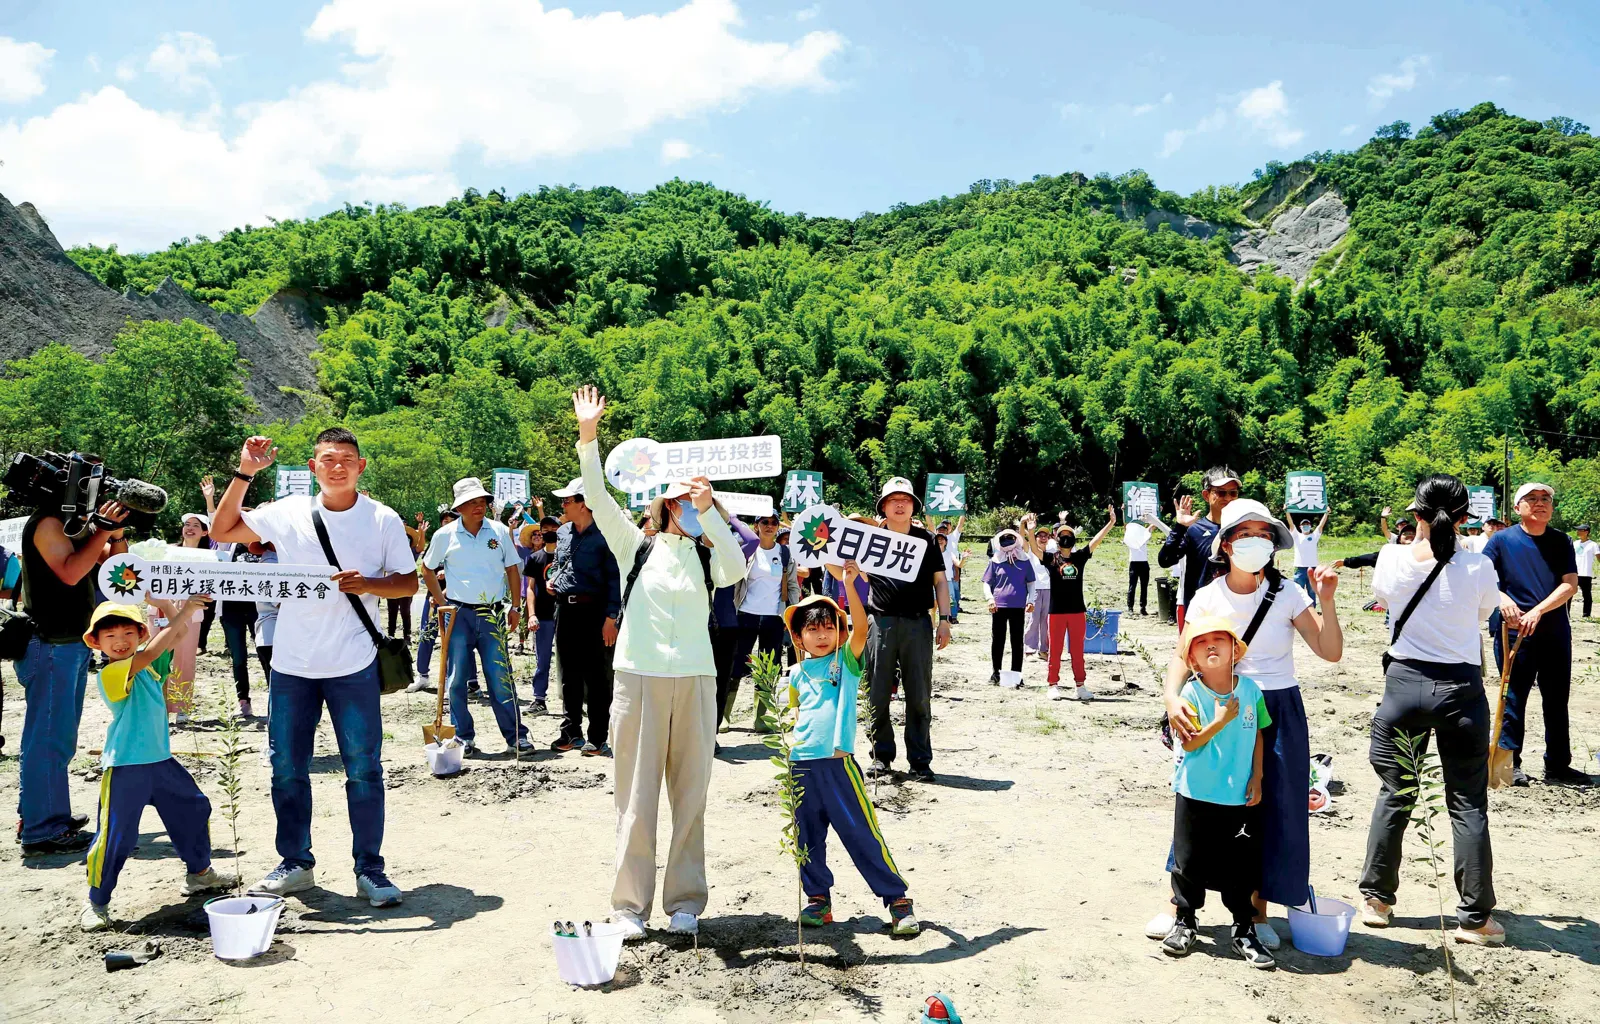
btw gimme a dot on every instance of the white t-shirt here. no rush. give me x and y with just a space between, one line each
1041 579
1270 659
951 540
1585 551
765 577
1472 543
324 639
1305 549
1137 538
1444 626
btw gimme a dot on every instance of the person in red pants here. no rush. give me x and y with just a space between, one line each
1067 610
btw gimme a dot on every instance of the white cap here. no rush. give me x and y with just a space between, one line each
203 520
572 490
1248 510
466 489
1528 488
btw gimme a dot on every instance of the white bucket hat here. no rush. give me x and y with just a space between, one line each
900 485
1248 510
466 489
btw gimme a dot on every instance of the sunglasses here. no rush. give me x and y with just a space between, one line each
1232 492
766 522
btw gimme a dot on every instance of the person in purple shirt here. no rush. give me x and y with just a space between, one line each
1008 583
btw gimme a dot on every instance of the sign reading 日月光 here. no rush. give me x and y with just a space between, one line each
822 536
127 578
641 463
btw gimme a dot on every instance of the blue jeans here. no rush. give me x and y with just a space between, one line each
544 641
293 714
1302 576
474 631
955 600
236 632
428 637
53 680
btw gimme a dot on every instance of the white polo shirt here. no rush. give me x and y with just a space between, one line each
474 565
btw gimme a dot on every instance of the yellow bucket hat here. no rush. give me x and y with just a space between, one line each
806 602
1193 629
133 613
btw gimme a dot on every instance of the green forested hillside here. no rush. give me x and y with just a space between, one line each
1021 332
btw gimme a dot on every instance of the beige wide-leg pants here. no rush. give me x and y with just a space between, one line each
662 726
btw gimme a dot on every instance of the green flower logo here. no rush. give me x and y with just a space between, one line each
125 579
815 535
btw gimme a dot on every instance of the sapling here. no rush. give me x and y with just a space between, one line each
228 778
765 673
1427 792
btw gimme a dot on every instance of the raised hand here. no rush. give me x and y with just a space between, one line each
1111 512
1184 511
258 453
208 487
700 493
851 572
588 405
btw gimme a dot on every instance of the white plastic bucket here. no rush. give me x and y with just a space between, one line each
1010 680
591 959
1323 933
444 760
242 926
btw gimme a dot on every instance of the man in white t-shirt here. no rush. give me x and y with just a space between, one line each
327 655
1585 550
1306 537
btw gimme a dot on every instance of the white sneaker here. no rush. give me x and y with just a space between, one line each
378 890
420 684
1159 926
283 880
205 881
632 925
1375 913
181 718
1268 935
684 924
94 918
1058 692
1086 695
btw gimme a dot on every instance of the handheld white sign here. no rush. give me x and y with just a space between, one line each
127 578
821 535
641 464
293 481
11 534
751 506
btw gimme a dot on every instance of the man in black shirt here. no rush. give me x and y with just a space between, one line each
541 610
587 587
902 639
1190 543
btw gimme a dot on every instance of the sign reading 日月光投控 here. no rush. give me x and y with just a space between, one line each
822 536
127 579
640 464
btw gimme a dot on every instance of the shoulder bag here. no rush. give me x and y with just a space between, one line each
1411 606
395 671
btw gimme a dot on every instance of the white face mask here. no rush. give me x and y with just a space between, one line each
1252 553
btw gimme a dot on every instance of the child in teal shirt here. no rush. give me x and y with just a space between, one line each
823 687
138 767
1217 781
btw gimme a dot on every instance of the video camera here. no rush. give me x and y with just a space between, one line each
75 485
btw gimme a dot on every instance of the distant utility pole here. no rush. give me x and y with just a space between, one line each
1505 490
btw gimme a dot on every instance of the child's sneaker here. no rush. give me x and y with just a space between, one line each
205 881
818 912
1248 946
904 921
1180 939
95 918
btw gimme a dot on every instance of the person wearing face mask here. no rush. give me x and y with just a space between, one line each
1190 544
769 586
1039 545
1009 588
1266 613
1306 536
540 608
1068 613
664 715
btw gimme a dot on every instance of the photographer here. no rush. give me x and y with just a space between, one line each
58 596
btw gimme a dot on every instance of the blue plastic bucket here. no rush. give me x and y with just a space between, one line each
1101 637
1325 932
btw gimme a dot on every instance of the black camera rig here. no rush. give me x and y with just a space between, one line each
75 485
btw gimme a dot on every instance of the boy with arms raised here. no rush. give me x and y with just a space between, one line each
139 769
824 687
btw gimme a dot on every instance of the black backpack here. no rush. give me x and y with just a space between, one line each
642 555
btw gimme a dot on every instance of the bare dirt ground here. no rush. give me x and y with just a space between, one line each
1035 861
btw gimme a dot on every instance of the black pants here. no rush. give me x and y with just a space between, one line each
206 618
402 607
1139 576
902 644
236 631
765 630
1006 620
585 670
724 644
1448 700
264 655
1586 588
1545 658
1215 846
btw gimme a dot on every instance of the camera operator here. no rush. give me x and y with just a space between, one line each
58 595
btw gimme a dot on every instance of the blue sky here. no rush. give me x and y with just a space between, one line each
141 123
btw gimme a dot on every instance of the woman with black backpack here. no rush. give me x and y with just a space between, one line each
1441 594
1267 612
664 711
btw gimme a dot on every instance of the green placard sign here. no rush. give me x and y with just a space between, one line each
640 500
946 494
1480 505
802 489
1306 491
1139 499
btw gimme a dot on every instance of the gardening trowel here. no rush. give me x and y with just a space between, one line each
438 732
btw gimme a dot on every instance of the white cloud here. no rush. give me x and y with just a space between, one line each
182 60
1266 110
415 97
22 69
674 150
1403 79
1173 140
126 72
1143 109
92 62
1349 129
1167 98
806 14
1070 110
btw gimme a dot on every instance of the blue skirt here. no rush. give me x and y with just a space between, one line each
1285 808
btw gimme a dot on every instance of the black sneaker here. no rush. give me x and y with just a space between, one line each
994 679
562 744
1566 777
73 841
922 775
1180 940
877 768
79 822
540 708
1248 946
1519 777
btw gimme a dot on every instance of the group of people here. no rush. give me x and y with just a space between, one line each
654 621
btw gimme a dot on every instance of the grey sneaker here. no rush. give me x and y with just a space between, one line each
95 918
205 881
285 879
522 746
590 750
379 891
